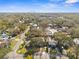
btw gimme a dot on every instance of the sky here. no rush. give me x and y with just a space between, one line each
45 6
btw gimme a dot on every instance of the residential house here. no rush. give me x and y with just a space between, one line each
35 26
50 31
76 41
5 38
61 57
41 55
2 43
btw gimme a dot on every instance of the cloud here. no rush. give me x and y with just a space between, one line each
71 1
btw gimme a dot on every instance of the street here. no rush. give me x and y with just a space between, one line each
13 54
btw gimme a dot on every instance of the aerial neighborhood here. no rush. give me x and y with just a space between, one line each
39 36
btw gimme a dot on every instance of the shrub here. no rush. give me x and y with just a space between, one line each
28 57
21 51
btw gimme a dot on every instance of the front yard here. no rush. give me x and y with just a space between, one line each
3 52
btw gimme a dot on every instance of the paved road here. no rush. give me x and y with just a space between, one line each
13 54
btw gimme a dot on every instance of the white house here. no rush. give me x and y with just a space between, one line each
61 57
50 31
41 55
35 26
76 41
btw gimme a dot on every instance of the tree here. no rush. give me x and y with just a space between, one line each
22 27
74 32
44 23
37 42
59 22
63 40
69 23
3 24
37 32
62 37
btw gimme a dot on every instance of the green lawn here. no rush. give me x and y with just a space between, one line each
3 52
